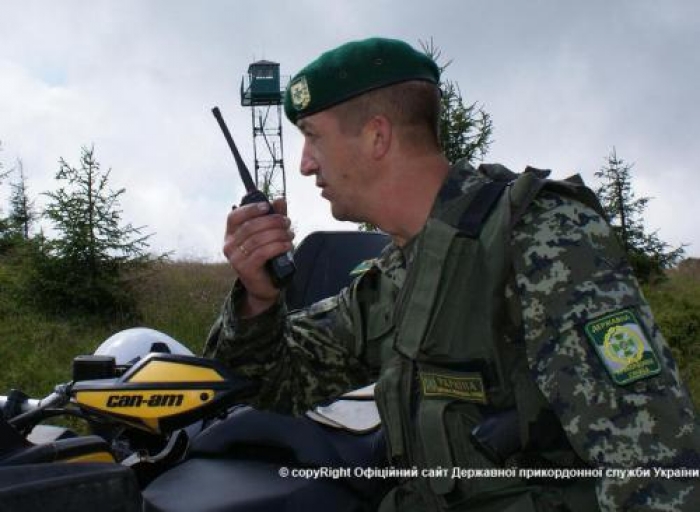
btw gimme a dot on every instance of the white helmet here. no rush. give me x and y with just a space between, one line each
129 345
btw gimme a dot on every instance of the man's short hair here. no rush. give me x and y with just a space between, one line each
412 107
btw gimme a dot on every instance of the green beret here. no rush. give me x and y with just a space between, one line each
353 69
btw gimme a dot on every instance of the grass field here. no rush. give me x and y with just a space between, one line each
182 299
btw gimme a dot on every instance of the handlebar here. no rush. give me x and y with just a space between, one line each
24 406
21 410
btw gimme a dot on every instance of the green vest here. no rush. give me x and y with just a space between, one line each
446 364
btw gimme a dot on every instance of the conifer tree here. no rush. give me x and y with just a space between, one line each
647 253
22 212
465 130
4 221
84 266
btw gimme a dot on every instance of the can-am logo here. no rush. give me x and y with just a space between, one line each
155 400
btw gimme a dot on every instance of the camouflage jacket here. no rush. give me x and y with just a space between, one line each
568 287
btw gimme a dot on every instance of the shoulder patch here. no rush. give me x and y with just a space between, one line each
623 347
362 267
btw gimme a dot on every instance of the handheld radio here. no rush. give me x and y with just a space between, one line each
281 268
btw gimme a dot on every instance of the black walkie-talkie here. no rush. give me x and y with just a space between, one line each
281 267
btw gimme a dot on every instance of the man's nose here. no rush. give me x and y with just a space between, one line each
308 164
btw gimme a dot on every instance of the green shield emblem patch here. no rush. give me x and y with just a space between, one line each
623 347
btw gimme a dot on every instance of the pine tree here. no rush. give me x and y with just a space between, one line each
22 212
16 250
3 174
5 231
465 130
84 266
647 253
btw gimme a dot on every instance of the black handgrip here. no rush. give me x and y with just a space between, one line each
282 267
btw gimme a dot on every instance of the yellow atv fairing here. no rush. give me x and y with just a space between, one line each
162 392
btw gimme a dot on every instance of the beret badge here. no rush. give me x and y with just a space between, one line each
299 91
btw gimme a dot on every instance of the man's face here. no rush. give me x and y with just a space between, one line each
337 160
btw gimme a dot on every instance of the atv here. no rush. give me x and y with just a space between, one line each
168 433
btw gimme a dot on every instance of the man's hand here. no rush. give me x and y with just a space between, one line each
252 238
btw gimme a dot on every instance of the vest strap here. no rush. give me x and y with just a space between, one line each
414 322
473 218
432 426
523 192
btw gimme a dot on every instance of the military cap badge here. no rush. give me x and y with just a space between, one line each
299 91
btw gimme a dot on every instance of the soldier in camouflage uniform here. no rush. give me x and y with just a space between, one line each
503 309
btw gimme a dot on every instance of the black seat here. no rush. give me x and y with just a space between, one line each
235 465
297 440
325 260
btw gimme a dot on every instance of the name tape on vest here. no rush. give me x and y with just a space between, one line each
469 387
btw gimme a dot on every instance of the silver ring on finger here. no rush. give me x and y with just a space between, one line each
243 249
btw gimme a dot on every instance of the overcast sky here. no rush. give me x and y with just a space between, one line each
564 81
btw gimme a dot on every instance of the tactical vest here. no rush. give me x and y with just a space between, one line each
446 365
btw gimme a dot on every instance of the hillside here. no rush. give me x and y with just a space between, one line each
182 299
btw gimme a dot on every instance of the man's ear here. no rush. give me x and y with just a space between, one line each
379 133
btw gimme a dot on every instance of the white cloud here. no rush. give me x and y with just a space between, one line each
564 82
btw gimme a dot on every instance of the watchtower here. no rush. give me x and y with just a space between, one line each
262 91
